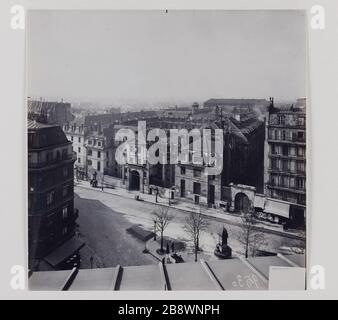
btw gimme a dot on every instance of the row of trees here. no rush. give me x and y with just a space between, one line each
195 224
248 236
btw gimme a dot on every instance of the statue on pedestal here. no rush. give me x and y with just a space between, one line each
222 250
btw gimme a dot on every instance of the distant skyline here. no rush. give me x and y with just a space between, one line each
125 57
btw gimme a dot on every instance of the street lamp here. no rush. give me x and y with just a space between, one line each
155 229
156 194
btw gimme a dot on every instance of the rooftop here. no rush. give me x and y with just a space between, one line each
41 135
35 125
204 275
35 106
236 102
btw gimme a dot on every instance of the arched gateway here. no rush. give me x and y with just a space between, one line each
134 180
242 202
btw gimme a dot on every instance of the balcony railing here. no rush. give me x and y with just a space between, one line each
287 139
53 161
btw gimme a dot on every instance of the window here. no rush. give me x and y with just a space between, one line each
286 182
79 139
49 156
98 166
285 165
79 149
300 152
64 213
90 152
78 160
64 153
197 173
301 121
99 154
274 149
274 164
300 135
65 172
99 143
301 199
182 170
50 197
285 150
300 182
89 162
89 141
64 230
65 191
197 188
72 138
301 166
273 181
284 135
281 119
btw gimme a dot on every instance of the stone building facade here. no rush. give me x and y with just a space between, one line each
192 183
88 132
51 212
285 158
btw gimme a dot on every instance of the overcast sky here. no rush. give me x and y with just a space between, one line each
152 56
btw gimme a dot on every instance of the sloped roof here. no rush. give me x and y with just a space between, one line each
230 127
43 106
247 126
43 135
35 125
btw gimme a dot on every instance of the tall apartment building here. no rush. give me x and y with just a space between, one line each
285 158
51 213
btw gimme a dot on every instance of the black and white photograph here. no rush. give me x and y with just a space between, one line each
166 149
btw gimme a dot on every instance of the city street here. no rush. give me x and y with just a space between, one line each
104 218
103 231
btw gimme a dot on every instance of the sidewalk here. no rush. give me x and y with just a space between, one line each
217 214
186 253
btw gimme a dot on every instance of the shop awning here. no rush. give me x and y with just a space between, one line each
277 208
64 251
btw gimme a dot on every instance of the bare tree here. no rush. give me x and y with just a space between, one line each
162 218
195 223
251 239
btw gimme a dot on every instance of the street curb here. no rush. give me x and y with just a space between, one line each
237 224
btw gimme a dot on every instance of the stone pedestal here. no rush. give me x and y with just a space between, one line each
223 251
